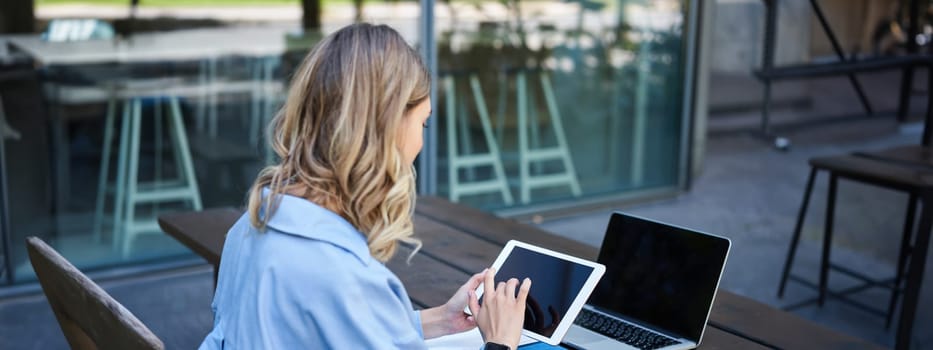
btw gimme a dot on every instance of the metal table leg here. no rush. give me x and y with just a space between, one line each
915 273
907 78
4 213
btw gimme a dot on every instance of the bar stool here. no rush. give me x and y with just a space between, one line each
917 181
265 94
256 83
908 169
530 152
129 192
61 94
470 160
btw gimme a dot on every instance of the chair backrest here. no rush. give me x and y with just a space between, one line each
89 317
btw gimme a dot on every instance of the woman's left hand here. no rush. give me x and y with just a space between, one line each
450 318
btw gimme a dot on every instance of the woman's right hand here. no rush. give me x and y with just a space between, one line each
502 314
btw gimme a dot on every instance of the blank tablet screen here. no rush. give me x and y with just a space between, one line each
555 284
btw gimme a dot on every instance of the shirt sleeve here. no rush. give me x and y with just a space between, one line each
416 322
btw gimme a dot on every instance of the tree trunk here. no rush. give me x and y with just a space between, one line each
311 17
17 16
358 7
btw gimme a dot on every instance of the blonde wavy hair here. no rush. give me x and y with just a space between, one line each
337 135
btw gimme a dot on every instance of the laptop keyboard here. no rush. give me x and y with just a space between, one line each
624 332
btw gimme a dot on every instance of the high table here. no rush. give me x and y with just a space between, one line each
459 241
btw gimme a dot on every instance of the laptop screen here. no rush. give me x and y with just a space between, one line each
659 275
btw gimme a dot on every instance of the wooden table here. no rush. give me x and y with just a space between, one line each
459 241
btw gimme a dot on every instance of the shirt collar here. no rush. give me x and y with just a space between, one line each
301 217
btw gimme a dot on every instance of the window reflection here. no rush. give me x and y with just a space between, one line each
538 101
582 98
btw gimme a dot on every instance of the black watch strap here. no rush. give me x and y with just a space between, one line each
495 346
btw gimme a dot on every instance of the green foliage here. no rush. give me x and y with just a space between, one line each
166 3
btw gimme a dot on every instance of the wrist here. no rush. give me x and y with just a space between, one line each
433 323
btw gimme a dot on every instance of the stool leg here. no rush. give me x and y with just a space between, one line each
490 141
453 172
464 129
176 154
104 171
795 238
915 275
562 144
902 257
269 156
157 139
640 115
122 157
502 104
523 161
212 98
256 98
200 111
534 128
255 102
827 237
132 178
181 141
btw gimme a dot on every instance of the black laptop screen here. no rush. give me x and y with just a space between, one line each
659 275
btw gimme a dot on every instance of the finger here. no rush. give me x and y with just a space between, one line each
475 280
473 303
470 324
510 287
523 291
490 283
500 288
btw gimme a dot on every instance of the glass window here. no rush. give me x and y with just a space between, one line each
543 101
537 102
141 125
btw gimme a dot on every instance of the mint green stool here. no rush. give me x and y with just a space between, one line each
129 191
531 153
471 160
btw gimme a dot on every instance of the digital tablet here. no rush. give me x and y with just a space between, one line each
560 285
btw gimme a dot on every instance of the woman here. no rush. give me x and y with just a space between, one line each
304 267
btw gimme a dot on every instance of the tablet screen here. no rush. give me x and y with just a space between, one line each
555 284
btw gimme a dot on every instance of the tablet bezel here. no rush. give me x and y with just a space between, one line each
578 301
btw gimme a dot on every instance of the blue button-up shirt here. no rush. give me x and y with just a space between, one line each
308 281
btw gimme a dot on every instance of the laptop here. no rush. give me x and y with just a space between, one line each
658 288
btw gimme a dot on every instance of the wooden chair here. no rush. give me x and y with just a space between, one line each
88 316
